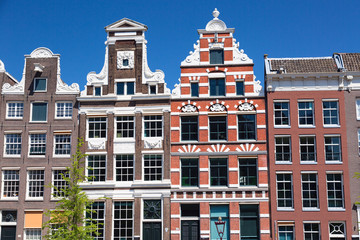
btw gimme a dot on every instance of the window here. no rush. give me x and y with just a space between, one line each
337 231
125 87
190 221
13 144
240 88
335 190
97 127
64 109
40 85
281 114
10 183
284 190
36 183
217 56
152 89
218 128
218 172
311 231
125 127
153 126
189 172
359 140
194 89
33 234
332 148
97 91
37 144
309 190
39 112
247 126
123 220
62 145
286 233
358 109
247 172
152 209
283 149
152 219
97 168
189 128
249 221
59 182
306 113
124 168
331 112
217 86
125 62
153 167
307 149
97 215
15 110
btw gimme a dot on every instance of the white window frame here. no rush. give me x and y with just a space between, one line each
156 89
3 184
32 230
340 147
337 235
94 91
338 113
116 127
317 191
57 109
162 167
359 143
55 144
30 143
125 81
357 103
227 129
87 165
99 219
115 168
312 222
162 125
37 180
53 181
292 193
307 144
46 85
282 126
342 190
113 219
5 145
31 112
143 220
88 129
305 109
16 107
287 225
290 147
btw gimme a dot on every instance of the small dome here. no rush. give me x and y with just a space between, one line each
216 24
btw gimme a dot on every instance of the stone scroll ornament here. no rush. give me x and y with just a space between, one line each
246 106
217 106
189 107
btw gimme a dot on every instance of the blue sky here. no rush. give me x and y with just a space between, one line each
75 29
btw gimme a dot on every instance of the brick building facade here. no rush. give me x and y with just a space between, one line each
218 142
38 134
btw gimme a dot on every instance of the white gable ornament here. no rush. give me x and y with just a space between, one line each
125 56
246 106
217 107
189 108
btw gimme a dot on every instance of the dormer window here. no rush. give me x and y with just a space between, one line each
217 56
152 89
40 85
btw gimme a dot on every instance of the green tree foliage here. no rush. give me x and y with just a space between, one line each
68 220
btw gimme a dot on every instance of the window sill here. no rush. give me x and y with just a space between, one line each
282 126
311 209
61 156
336 209
11 156
307 126
18 119
9 199
308 163
63 118
34 199
283 163
286 209
331 126
130 139
333 162
36 156
38 121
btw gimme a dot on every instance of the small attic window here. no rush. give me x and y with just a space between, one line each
217 56
125 62
40 85
152 89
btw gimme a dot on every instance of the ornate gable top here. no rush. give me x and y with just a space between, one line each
126 24
216 25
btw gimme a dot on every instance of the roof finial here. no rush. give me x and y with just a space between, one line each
215 13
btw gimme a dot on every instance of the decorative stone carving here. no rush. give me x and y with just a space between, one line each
247 148
194 57
92 77
157 76
189 108
63 88
246 106
217 107
152 143
189 148
42 52
216 24
257 86
223 148
2 66
241 57
176 91
17 88
123 56
96 143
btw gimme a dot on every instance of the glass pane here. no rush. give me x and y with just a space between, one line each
120 88
39 112
130 88
40 85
